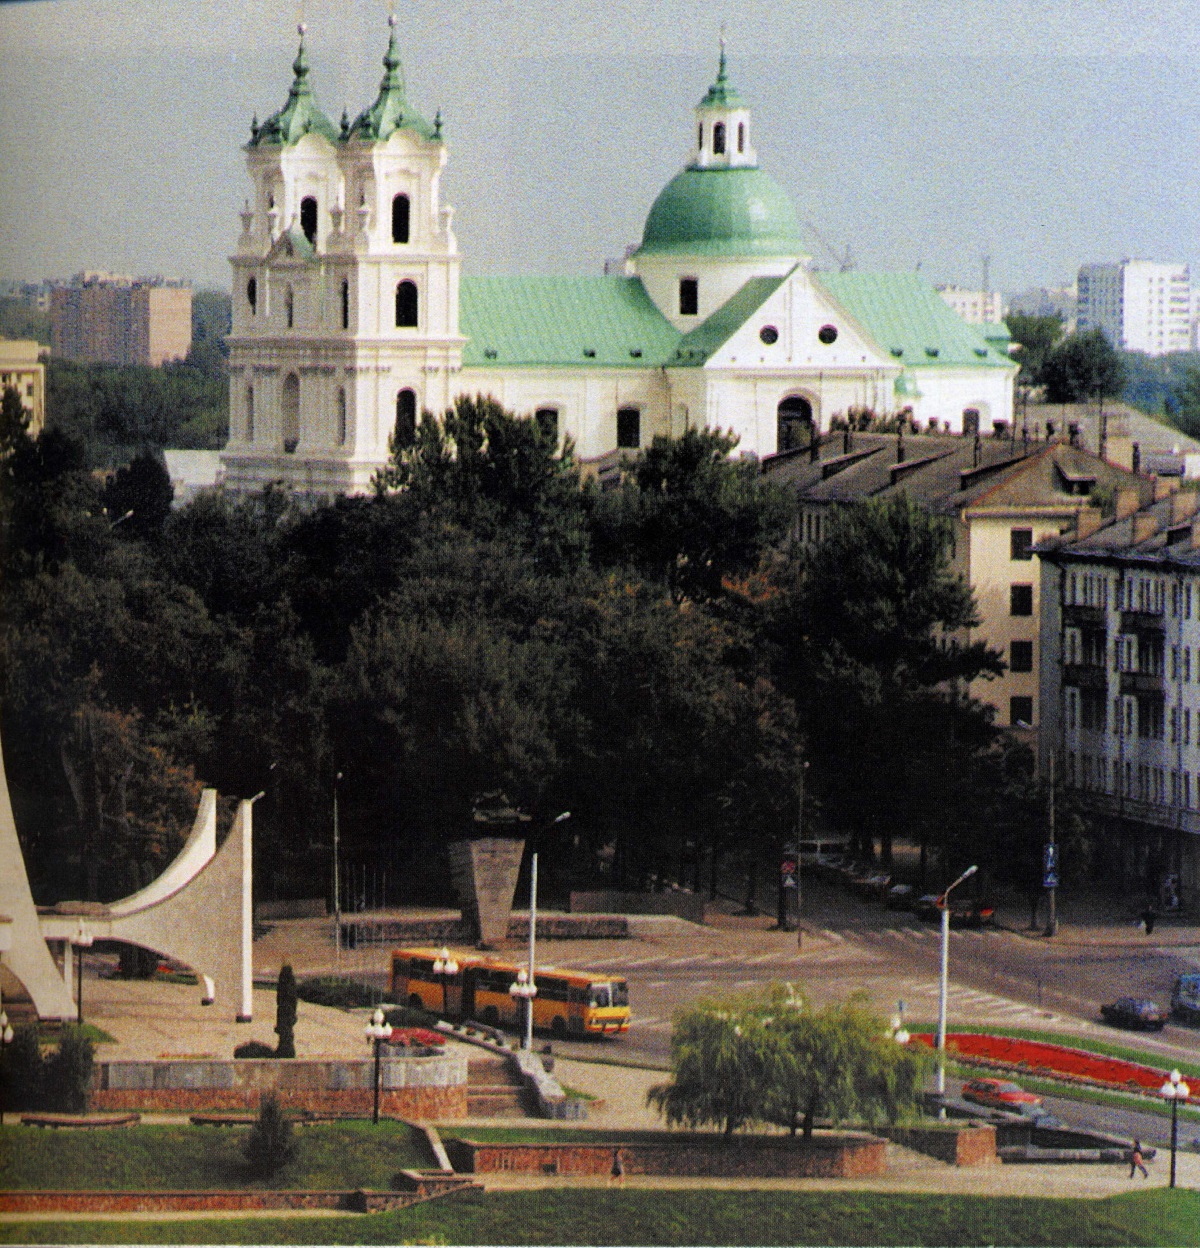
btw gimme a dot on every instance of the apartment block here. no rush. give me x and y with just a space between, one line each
1120 686
22 368
102 319
1139 305
976 307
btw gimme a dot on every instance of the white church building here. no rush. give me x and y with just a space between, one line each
351 314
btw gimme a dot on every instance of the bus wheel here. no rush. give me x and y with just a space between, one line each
558 1025
491 1016
415 1002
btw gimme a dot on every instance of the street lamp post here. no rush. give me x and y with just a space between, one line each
6 1038
943 983
377 1031
445 968
1174 1090
81 939
337 888
525 990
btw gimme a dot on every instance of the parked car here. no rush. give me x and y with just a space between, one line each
998 1094
1185 999
962 913
901 897
1136 1013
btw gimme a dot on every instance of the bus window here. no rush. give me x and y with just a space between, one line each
620 993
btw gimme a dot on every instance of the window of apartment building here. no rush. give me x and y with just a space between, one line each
1020 543
1020 656
1020 712
1174 662
1187 665
1093 710
1187 725
1151 719
1072 646
689 296
1020 600
1173 725
1185 793
1126 652
629 428
1071 706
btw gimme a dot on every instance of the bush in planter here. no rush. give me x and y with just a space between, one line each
337 992
67 1073
254 1048
22 1071
269 1145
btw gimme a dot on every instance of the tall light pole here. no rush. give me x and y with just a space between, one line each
531 982
377 1031
81 939
445 968
1174 1090
943 982
6 1038
337 890
521 989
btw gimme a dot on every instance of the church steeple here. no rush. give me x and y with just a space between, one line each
391 110
300 115
723 125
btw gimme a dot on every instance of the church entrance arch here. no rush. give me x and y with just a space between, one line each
794 423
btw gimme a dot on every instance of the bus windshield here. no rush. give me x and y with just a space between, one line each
620 993
599 995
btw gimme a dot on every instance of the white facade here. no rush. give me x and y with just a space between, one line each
1139 305
329 356
976 307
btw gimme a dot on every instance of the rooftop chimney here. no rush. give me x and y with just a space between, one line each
1145 525
1087 521
1127 502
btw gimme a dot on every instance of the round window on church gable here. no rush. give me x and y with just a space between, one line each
768 334
828 334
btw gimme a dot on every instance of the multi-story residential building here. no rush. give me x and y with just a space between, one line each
1120 684
1046 301
22 368
1139 305
1001 497
976 307
102 319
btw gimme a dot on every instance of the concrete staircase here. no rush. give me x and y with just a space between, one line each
495 1089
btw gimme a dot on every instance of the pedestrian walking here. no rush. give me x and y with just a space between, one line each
1135 1161
1149 918
618 1169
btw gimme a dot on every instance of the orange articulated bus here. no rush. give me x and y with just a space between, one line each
568 1003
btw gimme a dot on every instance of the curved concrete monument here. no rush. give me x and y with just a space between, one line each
199 911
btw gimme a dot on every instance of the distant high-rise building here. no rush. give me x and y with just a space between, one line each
1140 305
101 319
976 307
1046 301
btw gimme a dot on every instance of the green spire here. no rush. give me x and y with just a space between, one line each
391 111
722 94
300 115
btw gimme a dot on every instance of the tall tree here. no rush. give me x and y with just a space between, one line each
1036 336
1083 367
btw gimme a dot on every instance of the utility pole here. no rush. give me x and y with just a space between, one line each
337 890
1050 863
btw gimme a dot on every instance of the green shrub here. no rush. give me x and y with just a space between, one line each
67 1073
21 1073
254 1048
269 1146
335 991
285 1012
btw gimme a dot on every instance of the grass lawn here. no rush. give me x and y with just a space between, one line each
328 1155
1160 1218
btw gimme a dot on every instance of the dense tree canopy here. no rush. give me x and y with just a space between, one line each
1083 368
1035 338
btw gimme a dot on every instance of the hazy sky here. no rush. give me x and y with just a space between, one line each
1045 133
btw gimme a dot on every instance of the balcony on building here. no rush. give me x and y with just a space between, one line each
1077 616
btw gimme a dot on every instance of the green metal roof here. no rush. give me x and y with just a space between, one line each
391 111
721 94
907 318
720 211
698 344
601 322
299 116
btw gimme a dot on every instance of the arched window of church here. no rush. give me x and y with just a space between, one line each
629 428
689 296
405 433
308 219
249 413
700 137
345 303
406 305
252 295
341 416
546 419
291 412
400 215
289 308
719 138
741 136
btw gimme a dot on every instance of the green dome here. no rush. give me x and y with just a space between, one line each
720 211
299 116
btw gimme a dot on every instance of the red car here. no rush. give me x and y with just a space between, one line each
998 1094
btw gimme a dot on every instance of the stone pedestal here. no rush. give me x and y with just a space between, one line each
485 876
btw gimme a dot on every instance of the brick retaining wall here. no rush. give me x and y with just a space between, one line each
963 1146
839 1156
413 1103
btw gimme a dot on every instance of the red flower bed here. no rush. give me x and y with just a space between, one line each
1037 1057
420 1036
